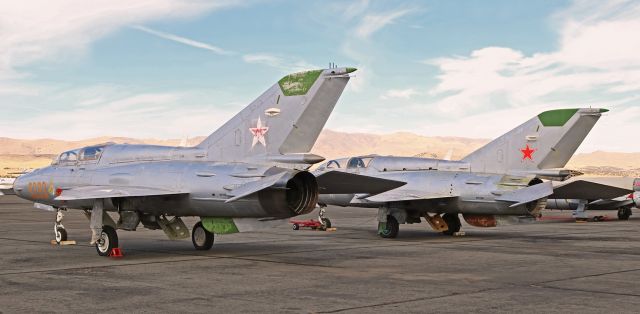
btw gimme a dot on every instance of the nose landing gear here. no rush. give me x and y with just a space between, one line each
58 227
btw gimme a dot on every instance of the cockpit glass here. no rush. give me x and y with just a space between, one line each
333 164
67 157
357 162
91 153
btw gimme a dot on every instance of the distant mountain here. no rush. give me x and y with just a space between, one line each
17 154
10 146
333 144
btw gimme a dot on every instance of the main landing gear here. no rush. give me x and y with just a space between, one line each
453 222
58 228
202 239
389 229
624 213
107 240
389 220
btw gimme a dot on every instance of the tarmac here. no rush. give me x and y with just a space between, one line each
555 266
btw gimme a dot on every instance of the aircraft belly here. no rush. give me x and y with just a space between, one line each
337 199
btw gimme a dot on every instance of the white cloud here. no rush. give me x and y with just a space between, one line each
399 93
597 60
372 23
151 115
62 29
282 63
183 40
286 64
356 44
354 8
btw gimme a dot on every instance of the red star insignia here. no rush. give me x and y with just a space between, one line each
258 134
527 152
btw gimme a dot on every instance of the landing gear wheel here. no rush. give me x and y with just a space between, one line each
326 222
61 234
296 227
389 230
453 221
108 240
202 239
624 213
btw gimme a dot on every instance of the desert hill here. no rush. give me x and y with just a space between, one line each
19 154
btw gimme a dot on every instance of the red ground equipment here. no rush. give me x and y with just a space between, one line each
312 223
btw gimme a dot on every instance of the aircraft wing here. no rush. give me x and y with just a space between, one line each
400 195
528 194
7 191
254 186
97 191
338 182
593 188
610 204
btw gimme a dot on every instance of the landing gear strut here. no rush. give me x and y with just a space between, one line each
453 222
326 223
624 213
58 228
202 239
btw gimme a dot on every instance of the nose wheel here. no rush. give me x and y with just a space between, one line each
107 241
58 227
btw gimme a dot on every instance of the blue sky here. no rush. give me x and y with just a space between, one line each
174 68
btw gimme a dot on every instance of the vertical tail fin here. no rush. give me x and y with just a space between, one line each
285 119
546 141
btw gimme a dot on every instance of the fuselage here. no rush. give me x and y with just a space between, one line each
200 185
439 186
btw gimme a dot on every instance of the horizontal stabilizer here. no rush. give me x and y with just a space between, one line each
254 186
97 191
528 194
593 188
338 182
406 195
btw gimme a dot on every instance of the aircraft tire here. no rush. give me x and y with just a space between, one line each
61 234
390 228
202 239
624 213
453 222
326 222
296 226
110 238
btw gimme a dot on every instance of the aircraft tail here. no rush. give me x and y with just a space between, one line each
284 120
547 141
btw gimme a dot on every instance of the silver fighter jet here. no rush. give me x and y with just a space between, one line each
503 178
251 171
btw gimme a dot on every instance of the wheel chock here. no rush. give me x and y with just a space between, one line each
459 234
116 252
331 229
69 242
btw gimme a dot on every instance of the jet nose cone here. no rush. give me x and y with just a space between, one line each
18 185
